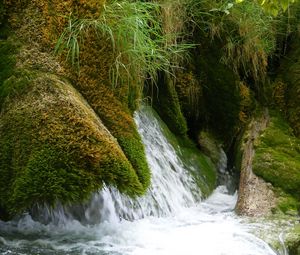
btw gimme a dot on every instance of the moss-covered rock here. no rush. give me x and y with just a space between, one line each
277 157
111 104
53 146
293 241
209 146
256 196
273 158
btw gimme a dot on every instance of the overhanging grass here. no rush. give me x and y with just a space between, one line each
141 46
246 32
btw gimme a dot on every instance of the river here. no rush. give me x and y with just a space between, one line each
172 219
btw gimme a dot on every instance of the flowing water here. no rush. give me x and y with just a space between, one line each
172 219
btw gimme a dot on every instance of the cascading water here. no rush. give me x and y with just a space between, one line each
170 219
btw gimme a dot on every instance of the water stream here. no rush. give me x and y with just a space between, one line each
172 219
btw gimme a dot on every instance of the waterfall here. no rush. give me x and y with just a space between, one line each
172 218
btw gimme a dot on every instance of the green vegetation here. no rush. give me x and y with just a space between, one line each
274 6
287 203
277 157
166 103
293 240
221 94
206 66
139 45
190 94
50 156
8 51
245 31
286 87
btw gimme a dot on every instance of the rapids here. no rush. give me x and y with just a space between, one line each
171 219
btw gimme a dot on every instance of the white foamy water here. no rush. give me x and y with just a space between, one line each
170 220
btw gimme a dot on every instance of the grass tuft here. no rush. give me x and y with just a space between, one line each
140 43
246 31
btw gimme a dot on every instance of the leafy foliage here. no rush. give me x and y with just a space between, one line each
273 6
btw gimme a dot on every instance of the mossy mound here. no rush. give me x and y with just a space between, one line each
277 157
57 136
111 104
53 147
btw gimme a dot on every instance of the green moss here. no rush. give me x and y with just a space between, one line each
286 204
134 150
293 241
8 51
210 146
51 177
120 123
16 84
166 103
201 167
277 157
112 106
49 155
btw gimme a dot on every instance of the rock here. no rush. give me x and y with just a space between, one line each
256 197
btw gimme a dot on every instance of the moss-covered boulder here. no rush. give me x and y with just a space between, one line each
110 104
210 146
64 131
277 157
53 147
